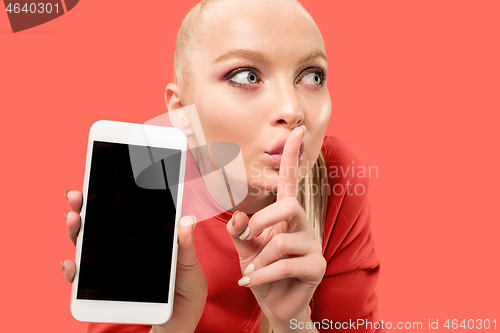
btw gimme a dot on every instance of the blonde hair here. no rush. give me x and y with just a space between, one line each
312 194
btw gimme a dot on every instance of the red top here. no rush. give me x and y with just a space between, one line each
347 291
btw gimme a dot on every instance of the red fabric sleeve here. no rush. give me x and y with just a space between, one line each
346 294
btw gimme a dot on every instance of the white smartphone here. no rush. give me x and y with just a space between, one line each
126 251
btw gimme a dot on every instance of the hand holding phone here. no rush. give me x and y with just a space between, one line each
190 284
95 296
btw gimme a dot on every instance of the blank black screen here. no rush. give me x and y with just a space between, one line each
129 229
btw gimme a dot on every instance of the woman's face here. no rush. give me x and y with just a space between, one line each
258 73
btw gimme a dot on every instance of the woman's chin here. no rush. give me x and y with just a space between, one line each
265 180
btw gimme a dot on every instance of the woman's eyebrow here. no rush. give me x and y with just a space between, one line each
313 54
242 53
260 57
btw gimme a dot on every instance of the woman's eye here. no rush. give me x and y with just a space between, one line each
312 78
246 77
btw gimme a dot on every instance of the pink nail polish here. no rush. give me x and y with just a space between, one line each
244 281
244 235
250 268
232 220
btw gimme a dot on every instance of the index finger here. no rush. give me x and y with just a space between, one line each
288 174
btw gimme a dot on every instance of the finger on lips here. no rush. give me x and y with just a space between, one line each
287 181
286 208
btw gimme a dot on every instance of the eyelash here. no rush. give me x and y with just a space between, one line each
319 70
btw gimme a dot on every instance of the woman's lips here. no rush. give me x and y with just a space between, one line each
275 152
275 159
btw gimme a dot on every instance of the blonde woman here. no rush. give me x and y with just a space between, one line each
297 253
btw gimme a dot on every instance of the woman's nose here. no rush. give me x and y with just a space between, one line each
288 110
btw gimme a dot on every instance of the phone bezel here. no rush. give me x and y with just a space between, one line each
129 312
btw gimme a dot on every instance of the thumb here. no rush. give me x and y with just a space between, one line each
186 256
190 284
190 281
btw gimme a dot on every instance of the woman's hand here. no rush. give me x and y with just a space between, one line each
190 284
283 265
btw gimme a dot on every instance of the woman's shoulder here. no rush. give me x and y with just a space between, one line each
343 163
347 223
337 151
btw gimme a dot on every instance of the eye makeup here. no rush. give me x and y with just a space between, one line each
321 71
227 78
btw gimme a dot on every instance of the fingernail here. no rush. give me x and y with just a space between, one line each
244 281
62 265
304 132
244 235
66 214
187 220
66 194
250 268
232 220
194 223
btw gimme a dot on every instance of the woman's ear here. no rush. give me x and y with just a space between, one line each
178 114
173 97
